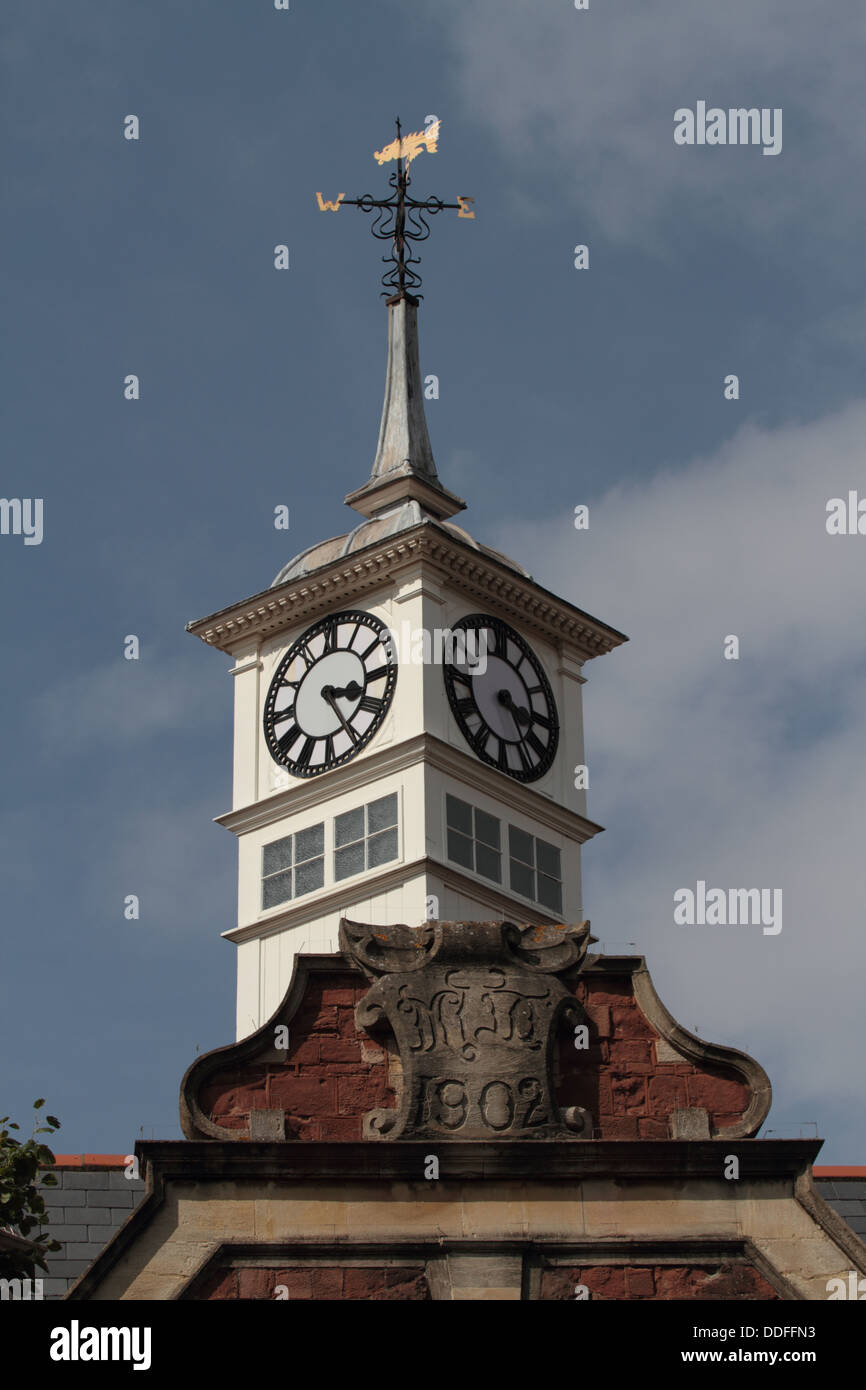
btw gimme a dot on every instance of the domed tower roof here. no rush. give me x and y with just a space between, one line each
378 528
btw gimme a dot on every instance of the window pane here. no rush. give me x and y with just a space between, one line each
550 892
547 858
522 879
349 861
277 855
382 813
489 862
458 815
309 876
309 843
460 849
381 848
277 889
487 829
349 826
521 844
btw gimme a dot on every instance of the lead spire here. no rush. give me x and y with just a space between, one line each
403 468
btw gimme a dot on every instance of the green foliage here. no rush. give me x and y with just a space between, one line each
21 1205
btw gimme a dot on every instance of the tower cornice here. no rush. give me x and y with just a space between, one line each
476 572
421 748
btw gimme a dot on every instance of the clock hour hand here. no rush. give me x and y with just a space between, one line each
520 715
349 692
330 694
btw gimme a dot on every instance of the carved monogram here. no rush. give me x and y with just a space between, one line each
474 1008
510 1012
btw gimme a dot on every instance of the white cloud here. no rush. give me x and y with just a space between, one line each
588 98
746 773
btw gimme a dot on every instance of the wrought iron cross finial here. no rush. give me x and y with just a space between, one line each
400 218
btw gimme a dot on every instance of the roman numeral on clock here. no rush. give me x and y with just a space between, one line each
306 753
535 744
377 675
285 741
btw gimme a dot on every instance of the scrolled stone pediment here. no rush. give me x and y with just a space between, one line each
474 1008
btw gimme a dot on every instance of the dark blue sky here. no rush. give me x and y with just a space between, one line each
557 387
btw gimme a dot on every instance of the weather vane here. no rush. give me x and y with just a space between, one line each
400 218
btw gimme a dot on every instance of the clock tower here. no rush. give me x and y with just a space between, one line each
408 731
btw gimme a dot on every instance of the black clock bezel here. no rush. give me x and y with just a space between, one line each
332 621
481 620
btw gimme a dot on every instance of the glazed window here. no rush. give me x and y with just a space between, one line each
366 837
293 866
535 869
474 839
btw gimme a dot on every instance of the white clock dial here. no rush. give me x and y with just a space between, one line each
330 693
503 703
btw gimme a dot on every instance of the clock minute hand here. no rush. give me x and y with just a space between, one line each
330 694
519 714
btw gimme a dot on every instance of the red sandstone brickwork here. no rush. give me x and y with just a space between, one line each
736 1283
331 1075
330 1078
306 1282
621 1083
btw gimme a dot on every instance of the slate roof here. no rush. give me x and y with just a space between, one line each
844 1189
92 1198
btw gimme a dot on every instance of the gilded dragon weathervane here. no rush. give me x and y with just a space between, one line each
400 218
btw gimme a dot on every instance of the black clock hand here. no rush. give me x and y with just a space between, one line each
518 713
330 694
349 692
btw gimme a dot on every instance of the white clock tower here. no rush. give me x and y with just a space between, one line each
382 770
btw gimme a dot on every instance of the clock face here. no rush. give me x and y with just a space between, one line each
505 707
330 693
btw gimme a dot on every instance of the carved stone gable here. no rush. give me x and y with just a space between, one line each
474 1008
